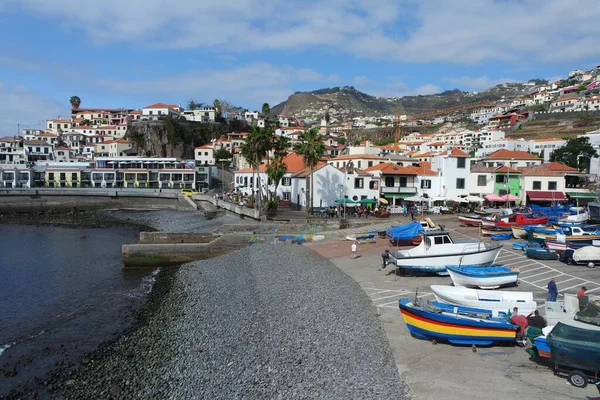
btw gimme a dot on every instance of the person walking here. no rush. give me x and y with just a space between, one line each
354 249
552 290
386 257
582 291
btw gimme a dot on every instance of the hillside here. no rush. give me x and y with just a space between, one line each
347 101
559 125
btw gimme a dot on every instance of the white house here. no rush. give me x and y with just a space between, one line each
204 155
37 150
365 147
538 181
154 111
63 154
54 125
11 150
454 169
513 159
566 103
544 147
204 114
481 180
360 161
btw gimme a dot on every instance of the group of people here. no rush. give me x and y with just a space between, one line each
553 290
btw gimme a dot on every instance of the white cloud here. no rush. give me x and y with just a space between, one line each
249 85
459 31
477 84
20 105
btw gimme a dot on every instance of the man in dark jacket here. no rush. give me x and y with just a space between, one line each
552 290
386 257
536 320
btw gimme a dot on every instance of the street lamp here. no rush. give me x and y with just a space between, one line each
349 167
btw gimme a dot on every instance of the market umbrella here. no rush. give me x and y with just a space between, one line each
383 201
367 201
459 200
415 198
510 197
344 201
474 199
493 197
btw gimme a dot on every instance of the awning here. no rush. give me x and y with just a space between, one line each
540 195
582 195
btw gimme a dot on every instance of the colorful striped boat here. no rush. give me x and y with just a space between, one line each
455 324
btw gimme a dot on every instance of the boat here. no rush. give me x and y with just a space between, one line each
489 222
521 219
470 220
519 245
578 214
560 247
454 324
521 231
495 300
567 233
409 234
484 278
360 237
438 251
501 236
494 231
541 254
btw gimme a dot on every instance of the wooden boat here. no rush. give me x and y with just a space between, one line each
560 247
484 278
568 233
521 219
541 254
470 220
494 231
360 237
520 231
455 324
489 222
438 251
495 300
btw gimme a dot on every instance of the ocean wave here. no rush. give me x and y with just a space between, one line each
4 347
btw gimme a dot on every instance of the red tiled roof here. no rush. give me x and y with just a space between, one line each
392 169
456 152
504 154
507 170
538 170
158 105
556 166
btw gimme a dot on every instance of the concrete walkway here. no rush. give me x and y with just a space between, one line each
445 371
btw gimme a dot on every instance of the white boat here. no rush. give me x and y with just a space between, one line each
438 251
495 300
575 218
484 278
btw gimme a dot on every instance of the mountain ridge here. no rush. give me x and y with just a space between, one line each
347 101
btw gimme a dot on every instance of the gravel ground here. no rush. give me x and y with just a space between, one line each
272 321
175 220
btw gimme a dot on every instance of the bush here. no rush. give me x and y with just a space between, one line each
272 204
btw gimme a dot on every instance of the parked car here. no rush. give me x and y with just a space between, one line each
189 192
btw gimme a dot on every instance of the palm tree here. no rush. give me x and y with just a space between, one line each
311 148
266 109
75 101
275 171
191 105
255 148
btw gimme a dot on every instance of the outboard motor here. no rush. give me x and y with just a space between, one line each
442 227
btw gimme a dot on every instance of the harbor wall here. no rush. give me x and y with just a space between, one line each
23 200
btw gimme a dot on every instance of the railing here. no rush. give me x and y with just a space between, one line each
396 189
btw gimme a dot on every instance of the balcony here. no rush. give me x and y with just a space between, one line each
399 190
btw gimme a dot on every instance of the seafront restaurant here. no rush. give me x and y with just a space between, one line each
143 172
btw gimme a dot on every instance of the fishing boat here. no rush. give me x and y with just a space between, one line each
438 251
484 278
521 219
470 220
541 254
501 236
495 300
455 324
360 237
522 231
494 231
560 247
578 215
409 234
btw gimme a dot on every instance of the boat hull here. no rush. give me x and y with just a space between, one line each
405 242
519 232
438 263
468 221
494 231
484 299
460 278
443 327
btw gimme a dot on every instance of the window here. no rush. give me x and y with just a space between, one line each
537 185
389 181
403 181
287 196
426 184
286 181
370 163
481 180
552 185
460 183
358 183
461 162
150 112
359 164
501 179
373 185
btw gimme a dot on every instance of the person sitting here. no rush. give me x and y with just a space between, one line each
582 291
520 321
535 320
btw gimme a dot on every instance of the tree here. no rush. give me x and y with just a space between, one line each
75 101
254 149
576 153
327 119
217 106
340 140
191 105
311 148
586 118
266 109
223 156
276 171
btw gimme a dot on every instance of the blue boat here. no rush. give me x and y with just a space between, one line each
501 236
484 278
519 245
540 254
455 324
404 235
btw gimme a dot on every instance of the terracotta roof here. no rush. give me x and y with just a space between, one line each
555 166
506 170
62 148
436 144
504 154
62 121
204 146
293 161
422 171
37 143
392 169
135 112
158 105
538 170
482 168
456 152
565 98
304 172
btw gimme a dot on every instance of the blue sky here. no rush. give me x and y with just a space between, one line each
133 53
